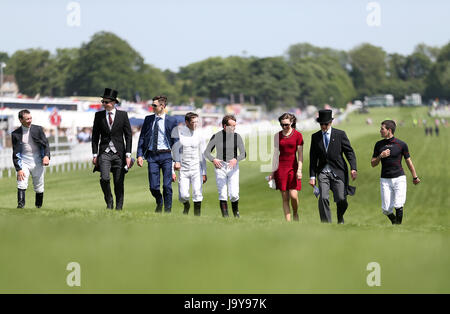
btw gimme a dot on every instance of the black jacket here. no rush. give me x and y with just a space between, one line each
120 133
38 136
338 147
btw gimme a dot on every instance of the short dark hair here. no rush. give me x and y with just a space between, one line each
227 118
389 125
291 118
161 99
22 112
189 116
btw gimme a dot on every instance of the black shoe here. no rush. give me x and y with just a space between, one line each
340 220
20 198
118 208
197 208
39 200
167 210
235 207
224 208
110 205
399 215
158 208
392 218
187 205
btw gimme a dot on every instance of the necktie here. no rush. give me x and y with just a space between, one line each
325 136
110 119
155 134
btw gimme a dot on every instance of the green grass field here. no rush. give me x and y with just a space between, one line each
138 251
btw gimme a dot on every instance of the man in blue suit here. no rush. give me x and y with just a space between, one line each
155 145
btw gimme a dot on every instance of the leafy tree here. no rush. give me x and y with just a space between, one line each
273 82
305 50
368 69
108 61
417 65
30 70
431 52
4 57
438 80
206 78
323 81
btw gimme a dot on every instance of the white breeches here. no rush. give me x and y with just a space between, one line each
227 181
187 178
393 193
33 166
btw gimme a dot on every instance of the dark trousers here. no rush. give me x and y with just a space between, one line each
326 182
110 162
156 163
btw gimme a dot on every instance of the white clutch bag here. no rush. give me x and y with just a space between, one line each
271 183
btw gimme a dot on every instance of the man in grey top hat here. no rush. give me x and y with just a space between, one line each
328 167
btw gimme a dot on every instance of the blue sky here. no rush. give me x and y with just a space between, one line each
174 33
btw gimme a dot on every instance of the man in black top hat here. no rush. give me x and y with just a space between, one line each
328 167
110 152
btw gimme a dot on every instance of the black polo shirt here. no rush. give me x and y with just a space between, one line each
391 167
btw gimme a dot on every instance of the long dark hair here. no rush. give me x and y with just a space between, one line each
291 118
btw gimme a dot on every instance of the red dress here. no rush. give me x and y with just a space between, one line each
286 174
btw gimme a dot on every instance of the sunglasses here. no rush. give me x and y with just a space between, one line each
324 123
283 125
106 101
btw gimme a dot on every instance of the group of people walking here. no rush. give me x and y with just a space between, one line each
168 147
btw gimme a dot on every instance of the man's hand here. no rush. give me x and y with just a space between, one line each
177 166
128 161
140 161
312 182
20 175
232 163
94 161
45 161
205 179
416 181
174 177
217 163
354 174
385 153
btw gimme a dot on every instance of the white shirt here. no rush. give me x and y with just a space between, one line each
192 146
113 115
29 147
328 134
162 141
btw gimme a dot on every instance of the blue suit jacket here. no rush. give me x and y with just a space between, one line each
145 138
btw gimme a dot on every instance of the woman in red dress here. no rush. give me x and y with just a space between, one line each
288 170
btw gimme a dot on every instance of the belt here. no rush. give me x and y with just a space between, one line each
162 151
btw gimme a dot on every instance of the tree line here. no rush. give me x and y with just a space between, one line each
305 75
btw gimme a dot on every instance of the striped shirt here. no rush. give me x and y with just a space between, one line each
227 146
